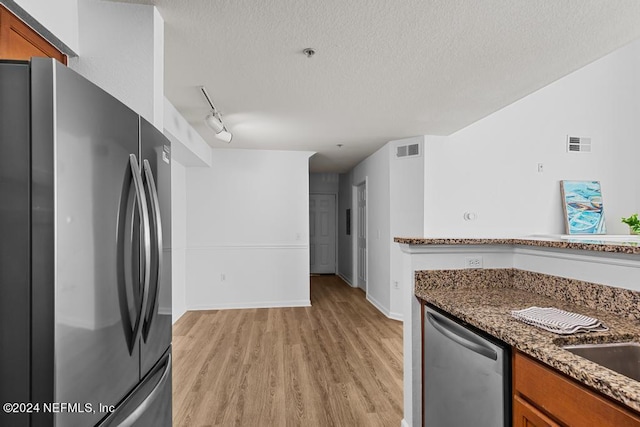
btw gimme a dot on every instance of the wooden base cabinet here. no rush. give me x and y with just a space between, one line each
543 397
525 415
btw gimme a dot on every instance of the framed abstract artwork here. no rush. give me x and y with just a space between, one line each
583 208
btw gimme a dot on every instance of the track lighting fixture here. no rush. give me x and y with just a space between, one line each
214 120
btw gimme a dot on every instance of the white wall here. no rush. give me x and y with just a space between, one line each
248 230
188 147
178 238
60 17
395 207
490 167
406 198
122 51
375 169
327 183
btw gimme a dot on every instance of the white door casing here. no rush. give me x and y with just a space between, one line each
322 233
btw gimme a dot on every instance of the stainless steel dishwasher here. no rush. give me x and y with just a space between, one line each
467 377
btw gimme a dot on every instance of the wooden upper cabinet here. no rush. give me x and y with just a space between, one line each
19 41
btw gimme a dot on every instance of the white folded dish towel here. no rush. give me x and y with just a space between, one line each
558 321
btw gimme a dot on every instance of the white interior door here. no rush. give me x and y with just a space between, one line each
362 236
322 233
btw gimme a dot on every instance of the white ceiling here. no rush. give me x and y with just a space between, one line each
383 70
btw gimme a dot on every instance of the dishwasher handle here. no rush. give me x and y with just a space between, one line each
460 338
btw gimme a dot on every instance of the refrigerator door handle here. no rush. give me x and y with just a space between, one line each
155 210
146 236
142 408
133 176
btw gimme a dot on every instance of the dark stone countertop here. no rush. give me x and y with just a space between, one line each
597 243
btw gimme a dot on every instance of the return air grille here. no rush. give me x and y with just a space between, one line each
411 150
578 144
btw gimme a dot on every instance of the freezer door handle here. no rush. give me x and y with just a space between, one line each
132 175
157 225
148 401
137 408
462 337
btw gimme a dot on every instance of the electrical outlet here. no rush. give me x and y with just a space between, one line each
396 285
473 262
223 277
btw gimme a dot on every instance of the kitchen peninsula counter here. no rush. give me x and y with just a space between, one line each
480 280
598 244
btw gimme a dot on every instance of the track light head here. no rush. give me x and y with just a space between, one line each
225 136
214 122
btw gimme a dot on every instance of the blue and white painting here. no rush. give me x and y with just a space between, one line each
582 202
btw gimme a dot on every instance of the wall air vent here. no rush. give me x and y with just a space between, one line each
411 150
578 144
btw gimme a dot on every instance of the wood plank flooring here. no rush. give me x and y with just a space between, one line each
336 363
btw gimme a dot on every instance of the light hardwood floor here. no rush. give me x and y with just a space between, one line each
336 363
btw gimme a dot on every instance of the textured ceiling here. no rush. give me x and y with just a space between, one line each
383 69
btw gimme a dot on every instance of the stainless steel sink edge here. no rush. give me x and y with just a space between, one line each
620 357
594 339
602 345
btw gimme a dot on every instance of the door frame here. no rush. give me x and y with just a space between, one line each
335 239
354 207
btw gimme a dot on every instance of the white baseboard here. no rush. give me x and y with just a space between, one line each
404 423
176 316
243 305
381 309
377 305
347 281
396 316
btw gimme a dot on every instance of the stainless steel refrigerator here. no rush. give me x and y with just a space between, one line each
85 255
